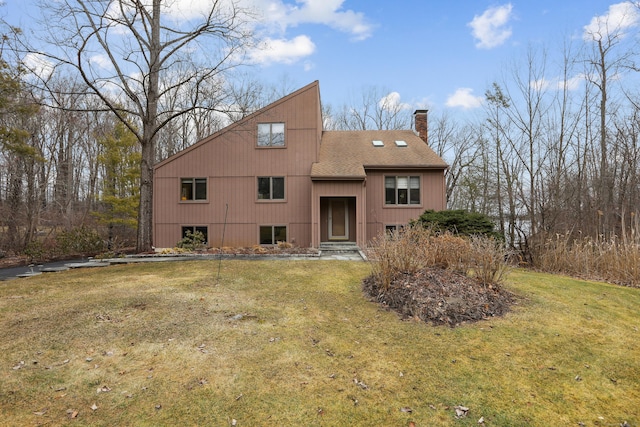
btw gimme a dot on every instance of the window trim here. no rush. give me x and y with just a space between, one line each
409 192
183 199
273 227
271 199
271 133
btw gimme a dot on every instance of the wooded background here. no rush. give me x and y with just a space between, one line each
544 157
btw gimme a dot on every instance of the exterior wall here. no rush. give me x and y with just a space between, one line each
432 186
231 162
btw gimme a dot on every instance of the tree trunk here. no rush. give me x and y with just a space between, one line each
149 129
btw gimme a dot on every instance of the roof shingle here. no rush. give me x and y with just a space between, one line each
346 154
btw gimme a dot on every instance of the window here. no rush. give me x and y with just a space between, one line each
193 189
193 229
402 190
272 234
271 188
392 229
271 135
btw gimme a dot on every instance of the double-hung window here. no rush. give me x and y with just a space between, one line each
271 135
402 190
271 188
272 234
193 189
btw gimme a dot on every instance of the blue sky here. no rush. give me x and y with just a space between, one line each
440 55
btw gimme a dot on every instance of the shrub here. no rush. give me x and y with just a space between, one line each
458 222
79 241
192 241
615 259
414 248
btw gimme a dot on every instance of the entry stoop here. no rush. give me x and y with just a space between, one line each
347 251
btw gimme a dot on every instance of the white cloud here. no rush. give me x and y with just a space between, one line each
101 61
464 98
39 65
619 17
392 102
329 12
322 12
490 28
282 50
572 83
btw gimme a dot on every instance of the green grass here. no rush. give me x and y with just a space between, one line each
310 350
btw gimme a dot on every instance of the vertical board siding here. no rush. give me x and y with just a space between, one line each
231 161
379 215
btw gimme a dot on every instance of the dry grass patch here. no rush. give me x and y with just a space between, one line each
296 343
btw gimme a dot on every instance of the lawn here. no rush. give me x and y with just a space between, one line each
295 343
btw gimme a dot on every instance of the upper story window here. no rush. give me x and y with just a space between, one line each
271 135
193 189
271 188
402 190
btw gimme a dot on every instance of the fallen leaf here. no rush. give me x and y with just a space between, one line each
360 384
41 412
412 424
94 407
103 389
72 414
461 411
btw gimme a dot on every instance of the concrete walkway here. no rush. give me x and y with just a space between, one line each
340 254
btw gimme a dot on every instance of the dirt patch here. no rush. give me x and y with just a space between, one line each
441 297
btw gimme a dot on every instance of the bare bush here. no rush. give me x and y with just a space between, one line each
415 248
489 259
613 259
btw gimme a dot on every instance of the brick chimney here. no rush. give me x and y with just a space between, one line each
420 120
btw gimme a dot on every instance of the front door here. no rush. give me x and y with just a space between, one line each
338 219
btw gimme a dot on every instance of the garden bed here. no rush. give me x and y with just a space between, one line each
441 297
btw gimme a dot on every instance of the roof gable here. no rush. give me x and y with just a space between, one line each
240 123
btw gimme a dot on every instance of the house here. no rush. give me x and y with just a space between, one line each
276 175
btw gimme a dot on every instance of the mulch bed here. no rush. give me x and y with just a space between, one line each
441 297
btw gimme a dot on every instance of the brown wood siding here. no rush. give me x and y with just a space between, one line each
355 191
378 215
231 162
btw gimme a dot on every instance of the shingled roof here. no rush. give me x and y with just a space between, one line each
347 154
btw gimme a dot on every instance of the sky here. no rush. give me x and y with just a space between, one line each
437 54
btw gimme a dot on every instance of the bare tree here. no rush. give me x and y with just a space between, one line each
609 57
373 108
135 55
457 144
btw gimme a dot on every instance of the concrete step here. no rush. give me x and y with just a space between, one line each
338 247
